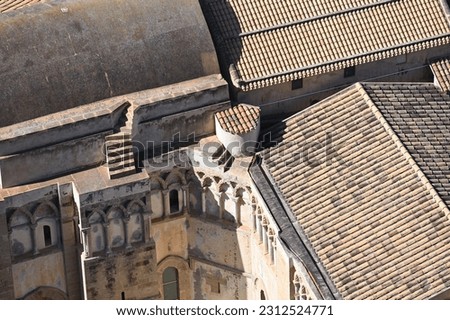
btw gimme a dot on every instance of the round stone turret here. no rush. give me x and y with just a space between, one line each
237 128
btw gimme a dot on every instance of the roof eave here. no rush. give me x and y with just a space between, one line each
309 71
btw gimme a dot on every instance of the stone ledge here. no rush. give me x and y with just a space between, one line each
61 126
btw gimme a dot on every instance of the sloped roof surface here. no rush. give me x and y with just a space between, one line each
373 219
9 5
420 116
441 71
239 119
274 41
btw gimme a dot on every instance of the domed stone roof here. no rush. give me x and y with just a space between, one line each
56 55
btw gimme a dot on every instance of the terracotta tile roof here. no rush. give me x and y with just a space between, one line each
441 70
239 119
268 42
256 15
420 117
9 5
373 219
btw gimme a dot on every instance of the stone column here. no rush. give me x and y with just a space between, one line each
204 190
34 238
6 278
84 232
76 234
146 225
185 190
272 249
166 202
221 204
265 239
238 202
126 221
148 198
259 228
254 218
107 238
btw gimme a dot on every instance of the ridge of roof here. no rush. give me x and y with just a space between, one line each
264 14
401 147
313 18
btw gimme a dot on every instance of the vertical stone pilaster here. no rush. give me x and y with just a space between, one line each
33 227
259 230
126 221
84 233
107 238
265 237
204 190
147 226
254 219
271 249
166 202
221 204
6 280
238 202
185 190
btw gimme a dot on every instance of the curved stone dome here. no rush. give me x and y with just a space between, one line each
56 55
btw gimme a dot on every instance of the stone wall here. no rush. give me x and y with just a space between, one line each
6 278
178 113
177 98
127 274
48 270
218 282
61 126
36 258
57 159
169 132
170 236
73 140
71 239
